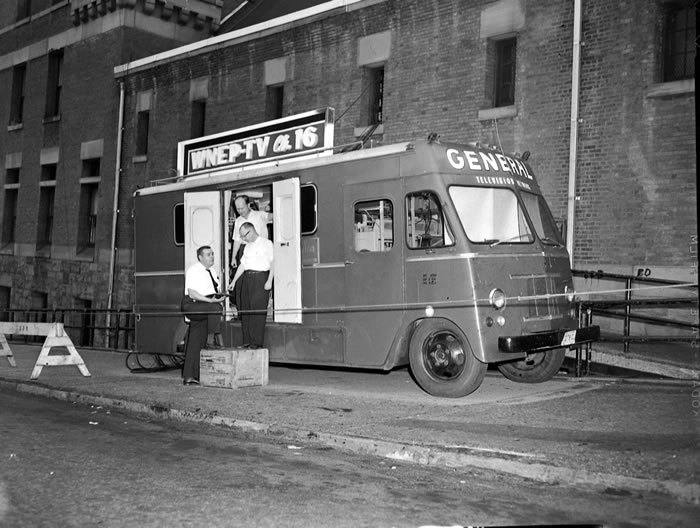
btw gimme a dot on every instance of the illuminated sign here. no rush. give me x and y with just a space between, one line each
272 141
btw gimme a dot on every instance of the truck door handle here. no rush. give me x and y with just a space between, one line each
284 244
349 262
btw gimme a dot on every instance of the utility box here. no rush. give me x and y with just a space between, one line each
231 368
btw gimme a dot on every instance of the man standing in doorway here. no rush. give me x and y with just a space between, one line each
202 305
253 293
246 214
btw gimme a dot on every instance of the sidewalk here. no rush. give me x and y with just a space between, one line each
639 436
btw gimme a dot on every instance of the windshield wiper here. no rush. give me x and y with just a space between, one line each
512 239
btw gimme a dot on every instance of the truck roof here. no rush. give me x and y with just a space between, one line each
485 162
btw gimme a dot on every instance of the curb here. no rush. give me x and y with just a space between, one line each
415 454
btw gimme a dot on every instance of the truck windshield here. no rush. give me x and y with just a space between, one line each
491 215
542 219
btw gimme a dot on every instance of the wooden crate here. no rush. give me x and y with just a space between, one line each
233 367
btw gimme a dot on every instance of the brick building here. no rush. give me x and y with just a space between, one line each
59 141
495 72
471 70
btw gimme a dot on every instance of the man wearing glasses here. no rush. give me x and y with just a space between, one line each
253 293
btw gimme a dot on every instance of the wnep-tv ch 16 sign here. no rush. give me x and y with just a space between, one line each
272 141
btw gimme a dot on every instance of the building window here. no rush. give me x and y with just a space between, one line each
679 44
12 176
45 220
87 215
48 172
374 84
9 219
54 84
199 111
374 226
426 225
5 297
39 302
504 72
142 133
87 222
274 102
309 209
19 74
24 9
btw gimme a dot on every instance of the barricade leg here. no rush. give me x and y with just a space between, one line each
45 360
6 351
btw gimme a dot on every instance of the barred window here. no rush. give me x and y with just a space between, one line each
679 45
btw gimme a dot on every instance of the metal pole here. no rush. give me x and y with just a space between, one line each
115 207
573 138
628 311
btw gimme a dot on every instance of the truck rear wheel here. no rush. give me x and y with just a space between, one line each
442 361
535 368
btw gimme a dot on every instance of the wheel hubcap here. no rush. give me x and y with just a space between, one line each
444 355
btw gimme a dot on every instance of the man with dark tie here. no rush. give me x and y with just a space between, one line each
202 305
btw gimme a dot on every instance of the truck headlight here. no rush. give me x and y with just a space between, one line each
497 298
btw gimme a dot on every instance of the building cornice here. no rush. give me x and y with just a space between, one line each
275 25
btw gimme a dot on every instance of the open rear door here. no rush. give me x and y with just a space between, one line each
203 227
287 257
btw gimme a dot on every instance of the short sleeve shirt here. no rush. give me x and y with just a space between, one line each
257 255
257 218
197 278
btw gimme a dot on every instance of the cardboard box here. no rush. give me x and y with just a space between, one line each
233 367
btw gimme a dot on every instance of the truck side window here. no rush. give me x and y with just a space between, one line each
426 226
179 224
308 209
374 225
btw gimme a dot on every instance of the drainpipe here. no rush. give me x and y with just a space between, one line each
573 140
115 208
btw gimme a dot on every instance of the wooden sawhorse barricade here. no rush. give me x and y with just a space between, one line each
55 337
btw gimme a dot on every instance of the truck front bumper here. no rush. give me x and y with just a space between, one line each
547 340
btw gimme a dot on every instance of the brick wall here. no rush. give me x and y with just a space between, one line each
636 164
636 198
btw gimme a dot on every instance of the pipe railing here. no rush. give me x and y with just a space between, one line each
623 308
87 327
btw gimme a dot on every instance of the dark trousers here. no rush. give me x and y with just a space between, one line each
252 299
205 318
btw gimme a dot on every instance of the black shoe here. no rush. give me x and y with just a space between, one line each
190 381
245 345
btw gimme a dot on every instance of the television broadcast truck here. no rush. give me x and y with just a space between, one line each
441 256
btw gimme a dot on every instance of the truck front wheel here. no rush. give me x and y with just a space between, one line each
442 361
535 368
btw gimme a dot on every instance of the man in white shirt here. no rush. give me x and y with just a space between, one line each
253 293
202 304
246 214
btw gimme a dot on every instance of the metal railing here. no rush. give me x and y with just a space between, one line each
624 308
93 328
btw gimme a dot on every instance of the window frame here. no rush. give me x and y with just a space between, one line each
54 85
673 27
198 118
19 83
142 126
302 208
388 244
447 231
274 102
504 71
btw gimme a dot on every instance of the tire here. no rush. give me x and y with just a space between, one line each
535 368
442 361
